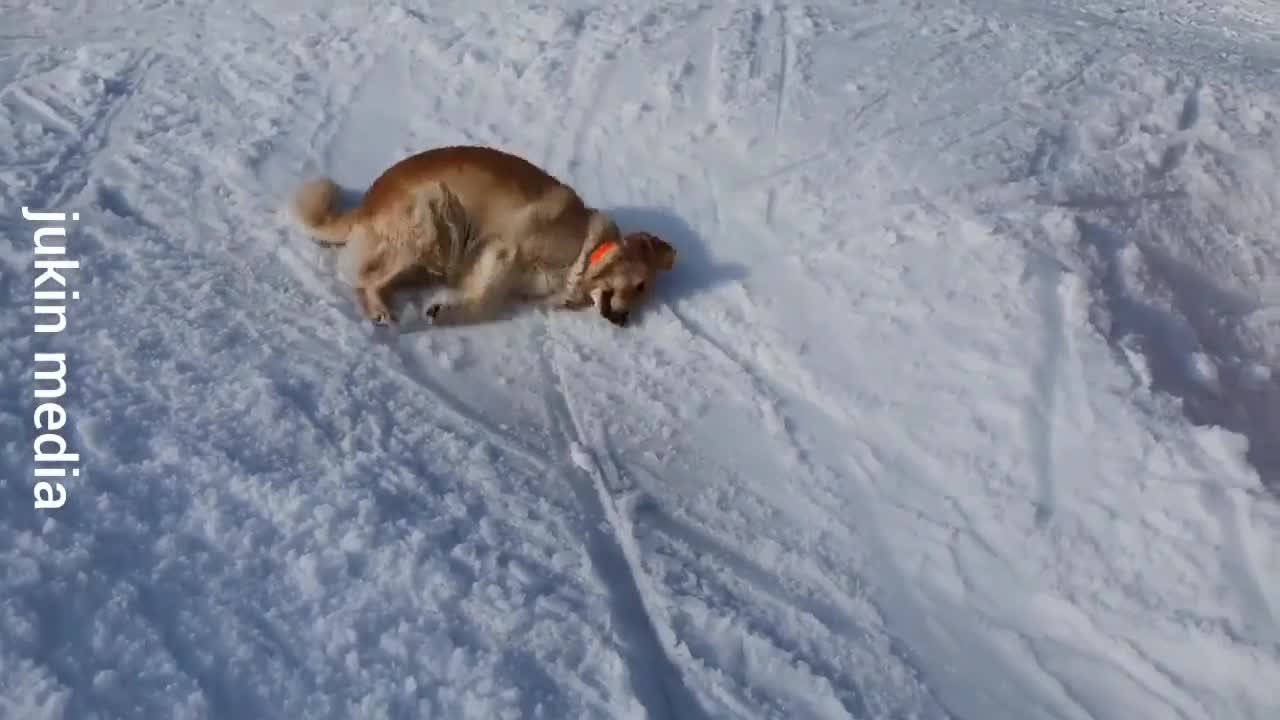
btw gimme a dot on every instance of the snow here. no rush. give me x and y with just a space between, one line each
961 401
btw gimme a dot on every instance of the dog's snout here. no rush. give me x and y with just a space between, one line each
605 301
617 317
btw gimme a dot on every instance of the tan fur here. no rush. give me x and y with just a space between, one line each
491 225
314 206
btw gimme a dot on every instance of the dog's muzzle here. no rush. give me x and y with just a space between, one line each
605 304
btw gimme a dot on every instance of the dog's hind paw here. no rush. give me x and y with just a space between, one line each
436 314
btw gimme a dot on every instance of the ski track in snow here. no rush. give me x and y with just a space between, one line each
961 402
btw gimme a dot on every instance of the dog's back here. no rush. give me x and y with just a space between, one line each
491 184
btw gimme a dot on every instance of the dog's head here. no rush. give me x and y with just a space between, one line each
621 272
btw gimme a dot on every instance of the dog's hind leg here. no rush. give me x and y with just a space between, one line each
485 290
374 279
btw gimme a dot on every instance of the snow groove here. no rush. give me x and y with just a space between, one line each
1041 420
64 168
1058 436
656 676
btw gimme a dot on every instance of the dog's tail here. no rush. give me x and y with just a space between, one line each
315 206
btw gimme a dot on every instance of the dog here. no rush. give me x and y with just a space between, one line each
491 225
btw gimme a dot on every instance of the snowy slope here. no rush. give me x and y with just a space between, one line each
963 400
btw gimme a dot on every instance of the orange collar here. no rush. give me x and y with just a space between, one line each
600 251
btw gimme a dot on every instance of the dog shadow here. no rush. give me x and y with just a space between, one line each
349 197
695 270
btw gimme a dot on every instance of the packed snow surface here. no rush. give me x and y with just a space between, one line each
962 401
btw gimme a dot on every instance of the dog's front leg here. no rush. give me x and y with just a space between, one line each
573 303
485 290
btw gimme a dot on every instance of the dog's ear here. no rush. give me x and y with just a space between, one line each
657 252
664 255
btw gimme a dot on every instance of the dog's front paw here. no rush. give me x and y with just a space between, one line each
575 303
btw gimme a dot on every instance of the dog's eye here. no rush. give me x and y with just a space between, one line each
640 288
